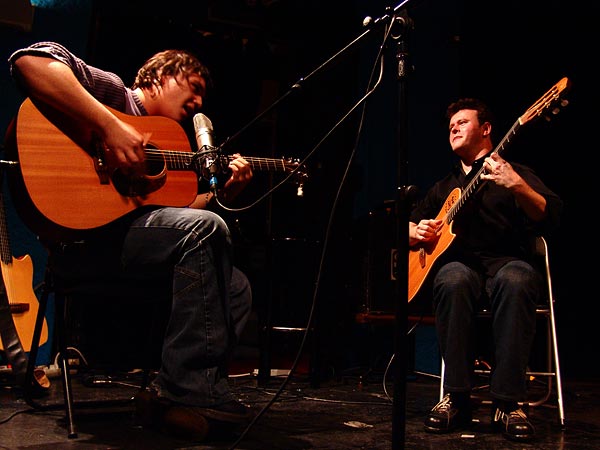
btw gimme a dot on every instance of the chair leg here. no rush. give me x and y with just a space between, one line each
552 368
442 371
548 374
561 411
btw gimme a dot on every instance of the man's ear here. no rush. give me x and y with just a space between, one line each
487 128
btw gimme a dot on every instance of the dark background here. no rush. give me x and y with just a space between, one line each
508 53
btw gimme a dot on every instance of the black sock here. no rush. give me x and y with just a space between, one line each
460 399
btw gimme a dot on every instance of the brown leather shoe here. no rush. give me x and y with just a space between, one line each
185 422
189 422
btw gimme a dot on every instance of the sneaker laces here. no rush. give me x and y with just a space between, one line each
516 415
444 405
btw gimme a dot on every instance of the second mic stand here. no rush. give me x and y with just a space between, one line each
401 215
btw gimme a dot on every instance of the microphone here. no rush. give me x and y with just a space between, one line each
204 139
204 132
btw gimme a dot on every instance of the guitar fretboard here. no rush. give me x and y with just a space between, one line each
5 251
178 160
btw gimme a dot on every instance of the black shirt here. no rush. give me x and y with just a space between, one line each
491 229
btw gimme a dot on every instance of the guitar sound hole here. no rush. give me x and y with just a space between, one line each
155 161
140 186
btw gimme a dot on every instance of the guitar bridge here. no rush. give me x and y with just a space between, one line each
101 170
99 163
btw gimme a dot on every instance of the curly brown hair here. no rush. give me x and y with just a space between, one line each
170 63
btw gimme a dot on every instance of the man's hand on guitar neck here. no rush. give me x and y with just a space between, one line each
240 174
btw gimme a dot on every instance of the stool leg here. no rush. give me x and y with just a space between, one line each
561 411
60 303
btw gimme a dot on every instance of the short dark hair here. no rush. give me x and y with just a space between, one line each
484 114
170 63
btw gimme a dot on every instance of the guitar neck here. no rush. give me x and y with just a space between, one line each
268 164
5 252
183 160
476 182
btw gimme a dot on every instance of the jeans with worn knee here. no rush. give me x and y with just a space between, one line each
210 304
513 293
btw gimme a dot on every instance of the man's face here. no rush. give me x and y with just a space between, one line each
465 132
181 96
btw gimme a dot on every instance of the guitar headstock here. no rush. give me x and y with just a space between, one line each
292 165
550 103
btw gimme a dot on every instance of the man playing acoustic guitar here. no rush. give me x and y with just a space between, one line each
211 299
486 266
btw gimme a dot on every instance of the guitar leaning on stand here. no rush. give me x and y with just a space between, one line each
18 304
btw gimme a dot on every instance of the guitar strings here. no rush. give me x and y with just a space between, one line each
186 158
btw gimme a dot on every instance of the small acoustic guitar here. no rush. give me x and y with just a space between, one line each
17 275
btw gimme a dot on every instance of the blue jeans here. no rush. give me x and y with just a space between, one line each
513 293
211 300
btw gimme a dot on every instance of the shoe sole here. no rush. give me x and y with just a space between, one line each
439 430
518 438
499 427
447 430
462 423
227 417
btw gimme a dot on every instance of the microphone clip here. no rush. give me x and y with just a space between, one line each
211 162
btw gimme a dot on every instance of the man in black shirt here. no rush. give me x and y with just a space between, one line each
486 264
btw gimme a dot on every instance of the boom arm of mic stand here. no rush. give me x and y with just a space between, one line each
299 84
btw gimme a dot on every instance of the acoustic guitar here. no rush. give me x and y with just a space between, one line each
422 257
17 275
64 187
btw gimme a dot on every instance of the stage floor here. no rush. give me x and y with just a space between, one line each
353 410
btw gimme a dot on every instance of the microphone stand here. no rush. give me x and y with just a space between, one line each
399 16
401 215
